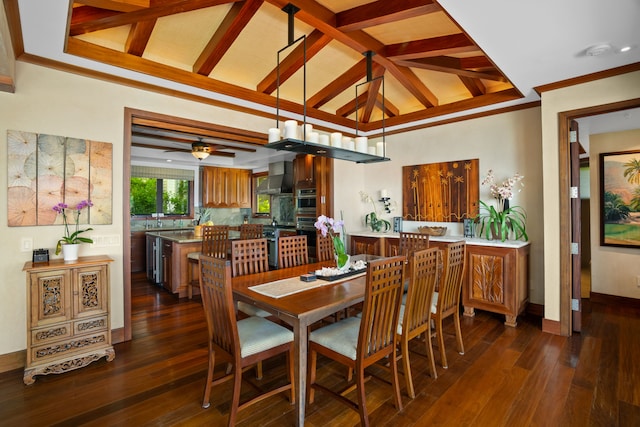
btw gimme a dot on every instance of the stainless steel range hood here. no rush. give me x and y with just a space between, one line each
280 179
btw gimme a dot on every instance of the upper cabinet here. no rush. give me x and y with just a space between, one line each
315 172
226 187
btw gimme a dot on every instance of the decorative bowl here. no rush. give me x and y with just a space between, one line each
433 231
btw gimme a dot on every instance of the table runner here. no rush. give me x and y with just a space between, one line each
282 288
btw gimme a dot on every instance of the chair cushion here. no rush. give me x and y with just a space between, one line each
341 337
434 303
402 308
251 310
257 334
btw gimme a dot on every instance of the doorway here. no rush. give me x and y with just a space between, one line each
566 220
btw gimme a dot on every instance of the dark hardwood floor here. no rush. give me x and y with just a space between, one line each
508 377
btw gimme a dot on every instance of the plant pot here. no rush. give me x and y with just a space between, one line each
70 251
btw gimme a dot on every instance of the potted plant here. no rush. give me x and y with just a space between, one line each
330 227
371 219
497 222
70 238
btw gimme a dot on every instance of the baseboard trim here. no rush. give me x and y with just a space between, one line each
12 361
614 299
117 335
535 310
551 326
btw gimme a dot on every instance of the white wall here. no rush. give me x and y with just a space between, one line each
600 92
57 103
506 143
613 269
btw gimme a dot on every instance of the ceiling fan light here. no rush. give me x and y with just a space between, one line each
200 150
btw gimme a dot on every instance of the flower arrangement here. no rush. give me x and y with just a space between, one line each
330 226
501 219
372 219
72 238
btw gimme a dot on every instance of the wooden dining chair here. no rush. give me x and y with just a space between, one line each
360 342
446 301
415 313
249 257
324 248
240 343
292 251
411 242
215 239
251 231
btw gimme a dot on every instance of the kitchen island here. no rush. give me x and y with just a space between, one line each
496 277
168 257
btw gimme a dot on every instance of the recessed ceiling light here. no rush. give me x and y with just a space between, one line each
169 160
625 49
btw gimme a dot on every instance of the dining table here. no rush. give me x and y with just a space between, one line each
317 299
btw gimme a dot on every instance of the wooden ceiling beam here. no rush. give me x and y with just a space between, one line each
447 64
221 132
233 23
115 5
294 61
188 141
139 37
426 48
316 15
476 63
339 85
383 12
347 109
372 93
170 7
474 86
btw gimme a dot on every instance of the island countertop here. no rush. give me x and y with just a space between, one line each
447 238
178 236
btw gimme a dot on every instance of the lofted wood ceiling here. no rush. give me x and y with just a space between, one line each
430 66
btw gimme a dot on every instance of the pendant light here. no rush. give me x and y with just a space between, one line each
304 145
200 150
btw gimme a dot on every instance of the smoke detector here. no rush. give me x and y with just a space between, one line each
598 49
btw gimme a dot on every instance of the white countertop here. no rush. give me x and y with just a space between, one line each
446 238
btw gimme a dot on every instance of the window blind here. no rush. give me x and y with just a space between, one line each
161 173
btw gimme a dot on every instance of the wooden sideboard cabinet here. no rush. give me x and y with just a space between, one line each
497 281
365 245
68 322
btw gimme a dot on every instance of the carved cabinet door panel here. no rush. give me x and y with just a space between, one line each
90 291
50 297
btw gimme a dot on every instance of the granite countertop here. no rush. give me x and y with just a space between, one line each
184 235
449 238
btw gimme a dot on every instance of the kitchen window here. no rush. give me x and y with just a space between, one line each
161 190
261 203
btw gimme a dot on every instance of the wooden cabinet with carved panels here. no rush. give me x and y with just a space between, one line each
68 323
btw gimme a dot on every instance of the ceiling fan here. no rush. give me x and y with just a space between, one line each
201 150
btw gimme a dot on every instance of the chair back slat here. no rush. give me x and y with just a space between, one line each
251 231
381 308
292 251
451 284
249 257
217 300
215 239
324 248
411 242
424 274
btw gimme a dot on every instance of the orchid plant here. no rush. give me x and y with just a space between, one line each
331 227
70 238
372 219
501 219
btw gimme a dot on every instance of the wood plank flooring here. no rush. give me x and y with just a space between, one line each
508 377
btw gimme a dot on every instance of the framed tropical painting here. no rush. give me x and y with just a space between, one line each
620 199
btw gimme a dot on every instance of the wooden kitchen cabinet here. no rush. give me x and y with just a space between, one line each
138 251
315 172
392 246
68 318
365 245
226 187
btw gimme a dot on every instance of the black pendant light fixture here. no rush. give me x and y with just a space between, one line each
304 145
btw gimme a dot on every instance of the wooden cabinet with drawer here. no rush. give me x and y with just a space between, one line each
68 323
